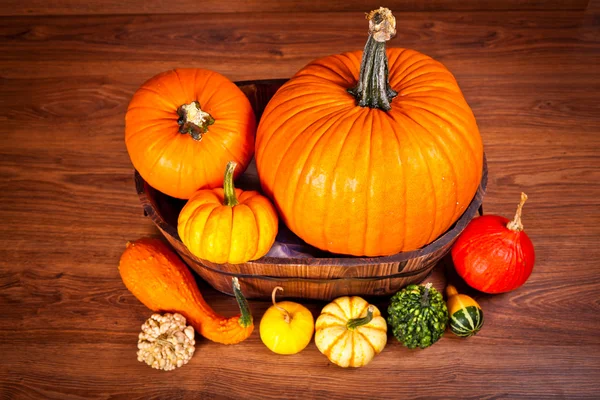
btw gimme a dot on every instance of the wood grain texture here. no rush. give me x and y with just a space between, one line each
103 7
68 327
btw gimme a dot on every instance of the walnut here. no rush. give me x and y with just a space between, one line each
165 342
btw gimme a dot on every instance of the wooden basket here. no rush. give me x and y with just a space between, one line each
315 278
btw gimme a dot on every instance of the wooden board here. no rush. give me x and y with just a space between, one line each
186 7
68 327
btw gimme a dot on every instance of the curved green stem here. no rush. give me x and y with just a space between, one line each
356 322
228 187
373 88
246 317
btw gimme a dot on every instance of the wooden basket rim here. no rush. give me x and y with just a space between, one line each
437 244
349 261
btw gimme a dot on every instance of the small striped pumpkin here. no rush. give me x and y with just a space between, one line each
350 332
466 316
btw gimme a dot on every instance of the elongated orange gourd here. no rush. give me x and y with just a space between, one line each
370 157
163 283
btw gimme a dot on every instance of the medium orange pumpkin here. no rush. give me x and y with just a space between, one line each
228 225
370 158
183 126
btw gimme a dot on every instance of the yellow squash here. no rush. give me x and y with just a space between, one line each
350 332
228 225
286 327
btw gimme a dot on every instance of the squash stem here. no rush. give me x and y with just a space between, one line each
193 121
516 224
356 322
425 298
246 315
451 291
228 187
373 88
284 312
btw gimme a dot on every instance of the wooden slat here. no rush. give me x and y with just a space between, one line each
133 48
76 7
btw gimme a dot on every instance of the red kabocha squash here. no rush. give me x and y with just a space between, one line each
370 157
493 254
183 126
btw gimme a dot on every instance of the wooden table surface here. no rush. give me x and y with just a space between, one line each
68 326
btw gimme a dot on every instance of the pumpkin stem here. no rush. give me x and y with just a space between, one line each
246 317
286 314
356 322
516 224
193 121
228 187
425 298
451 291
373 88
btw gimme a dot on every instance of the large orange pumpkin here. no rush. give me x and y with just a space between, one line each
183 126
362 161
